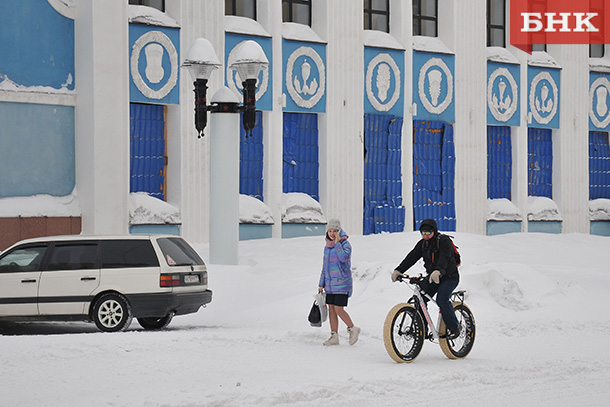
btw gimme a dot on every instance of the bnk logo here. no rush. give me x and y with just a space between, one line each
558 22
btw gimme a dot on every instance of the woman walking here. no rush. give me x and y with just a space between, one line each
336 281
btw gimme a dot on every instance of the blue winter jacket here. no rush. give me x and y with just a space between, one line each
336 276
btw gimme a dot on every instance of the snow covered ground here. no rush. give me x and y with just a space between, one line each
539 302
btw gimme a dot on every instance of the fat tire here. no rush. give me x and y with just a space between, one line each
414 338
155 323
461 346
112 313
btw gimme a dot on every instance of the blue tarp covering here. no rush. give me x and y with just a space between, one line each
540 162
383 210
300 169
499 162
147 149
251 160
433 174
599 165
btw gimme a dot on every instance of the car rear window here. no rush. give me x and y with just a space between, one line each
128 253
177 252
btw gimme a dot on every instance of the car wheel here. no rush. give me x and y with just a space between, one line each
155 323
112 313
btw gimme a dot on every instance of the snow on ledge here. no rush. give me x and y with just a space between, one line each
542 209
298 207
599 64
150 16
380 39
501 55
148 210
244 25
599 209
8 85
542 59
300 32
40 205
430 44
502 210
252 210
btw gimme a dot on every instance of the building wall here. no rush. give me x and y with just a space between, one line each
98 93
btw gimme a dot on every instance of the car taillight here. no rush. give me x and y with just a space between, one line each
170 280
205 278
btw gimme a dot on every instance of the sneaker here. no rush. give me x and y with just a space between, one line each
333 340
353 334
454 333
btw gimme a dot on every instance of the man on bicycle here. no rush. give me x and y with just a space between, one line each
443 277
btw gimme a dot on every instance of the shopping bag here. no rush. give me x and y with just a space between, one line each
320 299
315 318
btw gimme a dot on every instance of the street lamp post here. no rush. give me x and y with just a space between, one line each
224 125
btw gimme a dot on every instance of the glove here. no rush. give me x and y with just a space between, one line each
435 277
395 275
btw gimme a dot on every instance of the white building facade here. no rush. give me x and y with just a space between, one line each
379 127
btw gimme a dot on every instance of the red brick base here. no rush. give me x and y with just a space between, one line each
15 229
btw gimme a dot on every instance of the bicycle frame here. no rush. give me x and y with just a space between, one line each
420 304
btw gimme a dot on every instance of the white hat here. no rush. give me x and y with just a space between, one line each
333 224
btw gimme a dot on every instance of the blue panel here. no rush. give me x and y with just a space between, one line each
37 45
499 162
433 86
543 97
503 105
382 174
540 162
599 101
300 144
155 51
264 90
304 63
251 160
36 149
147 149
384 81
599 165
433 174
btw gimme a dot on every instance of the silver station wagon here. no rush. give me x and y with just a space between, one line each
105 279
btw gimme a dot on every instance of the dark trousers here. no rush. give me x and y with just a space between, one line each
443 291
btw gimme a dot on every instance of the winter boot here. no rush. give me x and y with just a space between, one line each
333 340
353 334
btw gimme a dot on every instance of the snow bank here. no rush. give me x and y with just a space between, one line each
503 210
252 210
501 55
40 205
542 208
542 59
599 209
298 207
244 25
148 210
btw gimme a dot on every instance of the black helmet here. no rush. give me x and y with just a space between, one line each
428 225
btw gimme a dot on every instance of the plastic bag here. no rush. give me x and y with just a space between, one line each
319 311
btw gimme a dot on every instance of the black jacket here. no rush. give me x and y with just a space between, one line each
438 254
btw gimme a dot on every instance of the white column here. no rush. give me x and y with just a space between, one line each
224 181
102 115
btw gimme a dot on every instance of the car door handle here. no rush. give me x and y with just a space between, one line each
87 278
29 281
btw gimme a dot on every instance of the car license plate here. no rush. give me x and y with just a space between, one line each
191 279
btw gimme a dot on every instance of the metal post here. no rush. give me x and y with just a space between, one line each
224 178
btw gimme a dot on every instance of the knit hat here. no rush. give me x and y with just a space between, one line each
333 224
428 225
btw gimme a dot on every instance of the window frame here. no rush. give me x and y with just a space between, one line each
420 17
147 3
290 4
369 12
603 48
233 4
491 26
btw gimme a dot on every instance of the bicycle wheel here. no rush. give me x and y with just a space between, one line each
461 346
403 333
